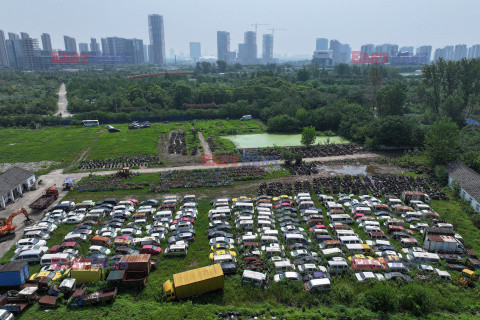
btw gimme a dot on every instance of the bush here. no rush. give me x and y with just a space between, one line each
441 175
381 298
418 300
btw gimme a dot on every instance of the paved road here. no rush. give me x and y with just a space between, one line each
63 102
57 177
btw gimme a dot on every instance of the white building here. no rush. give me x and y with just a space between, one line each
13 183
468 180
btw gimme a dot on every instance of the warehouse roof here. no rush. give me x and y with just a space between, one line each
466 177
11 178
12 266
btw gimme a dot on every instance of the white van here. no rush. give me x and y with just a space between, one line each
305 205
318 285
256 278
340 218
37 234
176 250
246 224
163 215
29 256
283 266
274 233
268 239
55 258
349 240
224 258
243 206
296 238
337 266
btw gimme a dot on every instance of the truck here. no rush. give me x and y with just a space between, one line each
194 282
46 199
408 196
14 274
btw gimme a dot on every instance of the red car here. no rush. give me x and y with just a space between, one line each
187 219
134 201
150 249
64 246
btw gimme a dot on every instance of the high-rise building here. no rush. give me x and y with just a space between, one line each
3 50
83 47
13 36
321 44
367 49
195 50
157 38
103 41
449 52
267 52
475 51
425 51
223 45
408 49
460 52
94 46
138 51
12 57
341 53
145 53
247 51
70 44
46 42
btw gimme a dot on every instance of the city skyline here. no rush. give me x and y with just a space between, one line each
355 23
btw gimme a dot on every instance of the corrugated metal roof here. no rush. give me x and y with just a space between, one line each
11 178
131 258
12 266
466 177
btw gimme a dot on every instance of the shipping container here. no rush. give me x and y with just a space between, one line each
194 282
13 274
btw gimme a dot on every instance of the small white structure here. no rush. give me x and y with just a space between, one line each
468 180
13 183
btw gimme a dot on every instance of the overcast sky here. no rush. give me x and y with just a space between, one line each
356 22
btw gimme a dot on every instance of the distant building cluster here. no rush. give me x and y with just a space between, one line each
24 52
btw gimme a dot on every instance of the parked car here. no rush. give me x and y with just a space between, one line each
150 249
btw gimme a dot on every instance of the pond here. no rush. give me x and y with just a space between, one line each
264 140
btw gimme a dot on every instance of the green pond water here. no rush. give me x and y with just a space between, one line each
263 140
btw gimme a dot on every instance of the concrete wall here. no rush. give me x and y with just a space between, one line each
474 203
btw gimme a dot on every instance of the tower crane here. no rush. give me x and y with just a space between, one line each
273 30
259 24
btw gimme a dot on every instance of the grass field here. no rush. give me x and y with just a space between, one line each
347 300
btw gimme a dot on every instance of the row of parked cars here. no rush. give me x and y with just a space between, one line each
122 229
292 239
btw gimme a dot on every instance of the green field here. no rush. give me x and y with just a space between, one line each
65 144
266 140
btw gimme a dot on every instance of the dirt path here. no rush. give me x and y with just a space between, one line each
206 148
63 102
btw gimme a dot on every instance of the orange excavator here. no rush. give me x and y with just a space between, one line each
7 228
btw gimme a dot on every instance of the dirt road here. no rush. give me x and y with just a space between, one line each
63 102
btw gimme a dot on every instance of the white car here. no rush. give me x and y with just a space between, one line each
365 276
6 315
41 248
307 268
30 242
303 253
131 232
71 236
287 276
74 219
99 249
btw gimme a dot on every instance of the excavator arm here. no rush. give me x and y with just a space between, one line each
16 213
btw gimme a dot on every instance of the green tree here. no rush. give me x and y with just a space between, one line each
442 142
453 107
303 75
308 136
182 94
222 66
391 100
374 82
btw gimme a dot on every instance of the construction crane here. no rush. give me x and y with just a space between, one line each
273 30
6 224
259 24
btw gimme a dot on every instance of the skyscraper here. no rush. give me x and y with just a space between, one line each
104 46
408 49
267 52
247 51
195 50
70 44
157 38
46 42
425 51
138 51
460 51
12 57
13 36
3 50
94 46
83 47
145 53
367 49
223 45
322 44
341 53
